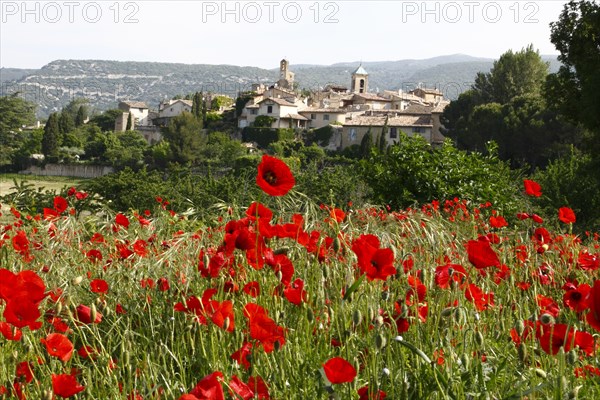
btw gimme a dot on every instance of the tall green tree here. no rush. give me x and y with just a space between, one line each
81 116
66 123
129 123
575 89
14 113
185 136
366 144
513 74
51 138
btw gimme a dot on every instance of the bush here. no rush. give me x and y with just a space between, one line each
265 136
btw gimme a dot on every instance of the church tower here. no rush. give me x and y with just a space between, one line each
360 80
286 77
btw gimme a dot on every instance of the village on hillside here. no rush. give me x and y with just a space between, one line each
350 112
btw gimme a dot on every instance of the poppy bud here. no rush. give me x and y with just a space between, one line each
47 395
226 323
386 372
356 317
572 357
479 338
520 327
93 312
385 295
379 321
310 315
522 352
281 250
59 307
380 341
277 345
371 312
541 373
574 393
466 361
336 244
446 312
77 280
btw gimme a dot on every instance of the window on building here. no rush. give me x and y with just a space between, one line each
326 117
313 116
393 133
171 108
253 111
352 134
418 129
269 109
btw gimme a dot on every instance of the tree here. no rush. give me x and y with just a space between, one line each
513 74
65 123
81 116
14 113
366 144
575 89
184 134
129 123
50 140
106 120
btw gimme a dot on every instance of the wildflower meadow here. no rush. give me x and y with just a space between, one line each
287 299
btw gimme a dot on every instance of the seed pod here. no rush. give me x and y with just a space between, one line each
546 319
371 314
59 307
356 317
380 341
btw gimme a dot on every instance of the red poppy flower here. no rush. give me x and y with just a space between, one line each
593 316
481 255
587 261
577 298
532 188
99 286
209 387
445 273
122 220
295 293
84 315
25 371
481 300
339 370
566 215
66 385
252 289
262 328
366 394
498 222
243 355
259 387
60 204
21 312
373 261
9 332
274 176
59 346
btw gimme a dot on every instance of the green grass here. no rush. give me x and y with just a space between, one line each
53 183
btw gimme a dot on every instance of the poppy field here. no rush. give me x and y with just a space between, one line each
287 299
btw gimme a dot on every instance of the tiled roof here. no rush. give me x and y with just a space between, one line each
360 71
417 109
439 108
400 120
135 104
281 102
323 110
295 116
371 96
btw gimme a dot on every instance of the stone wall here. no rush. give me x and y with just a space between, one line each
72 170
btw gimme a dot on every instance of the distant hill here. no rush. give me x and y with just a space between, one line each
105 83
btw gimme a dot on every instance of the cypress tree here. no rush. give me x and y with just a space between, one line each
80 117
129 123
50 139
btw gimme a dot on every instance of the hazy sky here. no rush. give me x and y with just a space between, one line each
260 33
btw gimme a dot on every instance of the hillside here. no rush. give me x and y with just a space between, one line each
105 83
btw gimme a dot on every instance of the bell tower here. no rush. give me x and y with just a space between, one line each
360 80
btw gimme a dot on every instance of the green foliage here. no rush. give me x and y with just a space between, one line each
574 89
320 136
513 74
106 120
220 101
81 116
126 151
366 144
129 122
263 121
14 113
51 138
414 172
220 150
184 134
65 123
265 136
241 102
572 181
